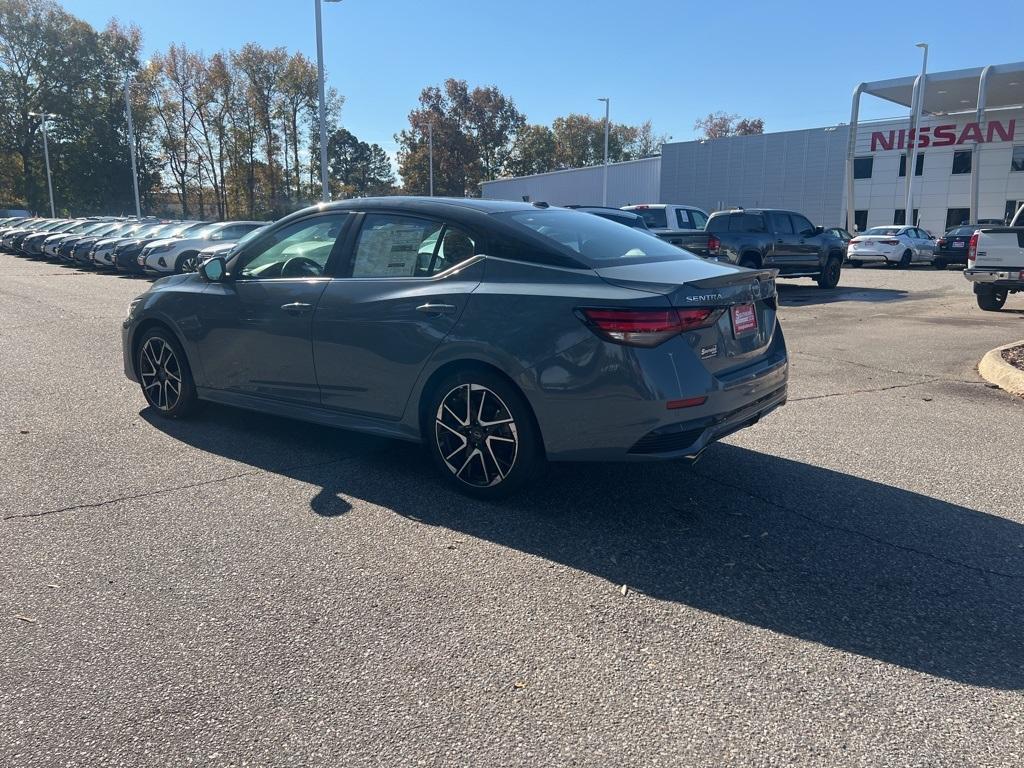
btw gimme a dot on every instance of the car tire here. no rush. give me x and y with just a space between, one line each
992 300
853 264
939 264
164 374
830 274
481 434
187 262
906 259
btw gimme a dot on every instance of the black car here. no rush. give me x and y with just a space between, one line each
952 247
766 238
613 214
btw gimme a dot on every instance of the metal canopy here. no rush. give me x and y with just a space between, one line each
957 90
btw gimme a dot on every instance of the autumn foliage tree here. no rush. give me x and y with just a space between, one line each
718 125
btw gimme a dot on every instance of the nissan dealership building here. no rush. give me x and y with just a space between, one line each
969 162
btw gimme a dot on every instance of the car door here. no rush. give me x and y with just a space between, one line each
255 328
809 242
924 245
407 284
785 243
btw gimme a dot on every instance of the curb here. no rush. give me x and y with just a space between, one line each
995 370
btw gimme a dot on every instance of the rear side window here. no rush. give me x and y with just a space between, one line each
746 222
683 219
654 218
781 224
403 246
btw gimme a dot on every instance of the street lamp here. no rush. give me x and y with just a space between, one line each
430 152
325 192
916 107
44 116
607 108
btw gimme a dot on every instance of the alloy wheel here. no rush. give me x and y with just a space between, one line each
160 372
190 263
476 435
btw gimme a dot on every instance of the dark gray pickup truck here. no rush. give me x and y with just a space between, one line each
782 240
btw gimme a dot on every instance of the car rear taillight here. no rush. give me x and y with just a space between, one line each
647 327
941 242
713 244
889 242
854 240
972 250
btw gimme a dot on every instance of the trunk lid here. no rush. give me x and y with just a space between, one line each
693 283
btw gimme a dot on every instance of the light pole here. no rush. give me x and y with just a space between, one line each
325 190
916 107
607 108
430 152
131 142
43 117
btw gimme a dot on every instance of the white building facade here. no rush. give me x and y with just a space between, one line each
969 163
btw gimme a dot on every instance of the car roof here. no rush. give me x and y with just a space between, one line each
435 205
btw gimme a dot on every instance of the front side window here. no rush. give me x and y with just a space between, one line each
699 219
962 162
862 167
802 225
300 249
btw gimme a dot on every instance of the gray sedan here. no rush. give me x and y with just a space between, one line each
500 335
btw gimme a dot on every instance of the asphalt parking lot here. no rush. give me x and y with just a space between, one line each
842 584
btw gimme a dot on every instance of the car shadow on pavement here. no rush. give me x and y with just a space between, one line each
803 295
813 553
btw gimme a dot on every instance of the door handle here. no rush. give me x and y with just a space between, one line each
297 308
779 242
436 309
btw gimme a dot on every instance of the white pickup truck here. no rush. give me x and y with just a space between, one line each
995 262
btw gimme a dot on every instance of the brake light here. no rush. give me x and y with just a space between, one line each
972 250
714 244
854 240
889 242
647 327
940 242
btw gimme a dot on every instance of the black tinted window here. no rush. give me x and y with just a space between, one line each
781 224
746 222
800 224
962 162
862 167
1017 163
718 224
653 217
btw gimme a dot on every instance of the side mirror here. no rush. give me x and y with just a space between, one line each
213 270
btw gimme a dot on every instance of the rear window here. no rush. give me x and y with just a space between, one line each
592 238
654 218
961 232
883 231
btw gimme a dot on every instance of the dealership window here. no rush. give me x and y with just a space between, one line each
1011 209
957 216
1017 164
962 162
900 217
860 220
918 165
862 167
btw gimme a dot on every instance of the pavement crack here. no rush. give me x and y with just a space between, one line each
868 390
984 572
173 489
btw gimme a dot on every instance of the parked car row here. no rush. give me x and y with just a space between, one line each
129 245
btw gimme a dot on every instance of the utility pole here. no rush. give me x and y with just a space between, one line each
430 152
131 142
607 109
44 116
325 190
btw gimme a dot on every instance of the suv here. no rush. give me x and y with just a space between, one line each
782 240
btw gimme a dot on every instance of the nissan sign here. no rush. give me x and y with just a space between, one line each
943 135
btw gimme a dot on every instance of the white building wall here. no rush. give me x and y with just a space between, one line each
938 189
634 181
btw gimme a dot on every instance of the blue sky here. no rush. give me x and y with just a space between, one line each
793 63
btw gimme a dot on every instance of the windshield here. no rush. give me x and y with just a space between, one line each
655 218
591 237
883 231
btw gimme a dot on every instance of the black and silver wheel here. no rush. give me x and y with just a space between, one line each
830 273
992 299
164 374
482 435
187 262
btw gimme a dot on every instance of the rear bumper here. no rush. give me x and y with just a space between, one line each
997 278
627 417
870 256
